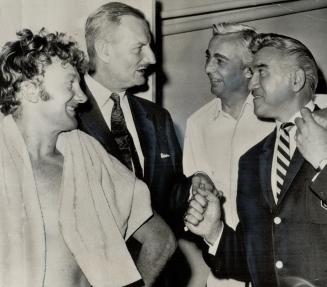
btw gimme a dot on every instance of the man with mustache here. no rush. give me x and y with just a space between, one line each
136 131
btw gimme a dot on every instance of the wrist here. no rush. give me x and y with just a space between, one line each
212 237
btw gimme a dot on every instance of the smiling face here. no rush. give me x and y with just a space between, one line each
271 85
224 66
61 87
130 53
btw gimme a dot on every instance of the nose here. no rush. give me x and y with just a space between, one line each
79 96
149 55
209 66
254 82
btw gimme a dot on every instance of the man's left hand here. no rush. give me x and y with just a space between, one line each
320 117
203 181
311 138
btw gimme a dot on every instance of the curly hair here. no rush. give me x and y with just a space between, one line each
26 59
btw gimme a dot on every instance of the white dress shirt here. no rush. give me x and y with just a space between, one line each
214 142
102 97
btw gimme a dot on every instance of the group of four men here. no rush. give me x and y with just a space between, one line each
71 200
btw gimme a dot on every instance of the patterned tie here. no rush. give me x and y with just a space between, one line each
283 155
123 138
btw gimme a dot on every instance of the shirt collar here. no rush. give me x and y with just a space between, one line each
219 111
99 92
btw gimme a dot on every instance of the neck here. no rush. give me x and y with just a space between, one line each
40 143
291 109
233 104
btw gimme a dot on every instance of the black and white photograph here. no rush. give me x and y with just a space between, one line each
163 143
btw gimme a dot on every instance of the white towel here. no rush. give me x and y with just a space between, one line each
102 204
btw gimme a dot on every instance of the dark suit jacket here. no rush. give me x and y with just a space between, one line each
162 153
298 239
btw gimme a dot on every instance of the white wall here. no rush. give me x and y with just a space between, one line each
188 88
67 16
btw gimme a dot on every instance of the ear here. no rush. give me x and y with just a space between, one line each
214 29
298 80
102 49
247 72
29 91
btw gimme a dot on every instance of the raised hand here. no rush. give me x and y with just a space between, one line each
320 117
203 214
311 138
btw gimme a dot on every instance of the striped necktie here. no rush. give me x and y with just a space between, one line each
123 138
283 156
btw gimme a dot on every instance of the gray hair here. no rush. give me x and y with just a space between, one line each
243 33
101 20
294 48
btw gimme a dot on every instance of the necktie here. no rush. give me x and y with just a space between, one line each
283 155
123 138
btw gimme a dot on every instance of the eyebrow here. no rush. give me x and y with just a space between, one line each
137 44
258 66
216 55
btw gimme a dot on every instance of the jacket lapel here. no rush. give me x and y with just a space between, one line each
265 163
146 129
91 121
296 163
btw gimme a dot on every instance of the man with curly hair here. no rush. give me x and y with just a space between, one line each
63 217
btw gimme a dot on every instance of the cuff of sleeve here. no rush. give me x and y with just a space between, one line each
190 194
214 247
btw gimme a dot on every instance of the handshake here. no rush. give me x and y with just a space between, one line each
203 216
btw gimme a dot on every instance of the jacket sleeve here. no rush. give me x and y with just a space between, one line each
230 260
179 193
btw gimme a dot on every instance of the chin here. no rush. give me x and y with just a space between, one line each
261 113
72 125
257 111
216 91
140 81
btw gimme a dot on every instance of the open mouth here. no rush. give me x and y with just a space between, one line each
71 109
256 95
215 82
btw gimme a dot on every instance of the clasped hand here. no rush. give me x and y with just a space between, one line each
203 216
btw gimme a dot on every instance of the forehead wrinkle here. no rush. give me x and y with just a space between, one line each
229 44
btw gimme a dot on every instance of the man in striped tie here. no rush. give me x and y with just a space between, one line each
281 197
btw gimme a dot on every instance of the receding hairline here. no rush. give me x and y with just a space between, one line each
236 40
103 22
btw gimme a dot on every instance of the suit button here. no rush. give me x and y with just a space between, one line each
279 264
277 220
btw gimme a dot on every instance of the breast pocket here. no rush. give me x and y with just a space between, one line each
317 208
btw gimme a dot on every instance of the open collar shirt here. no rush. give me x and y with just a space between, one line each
214 143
